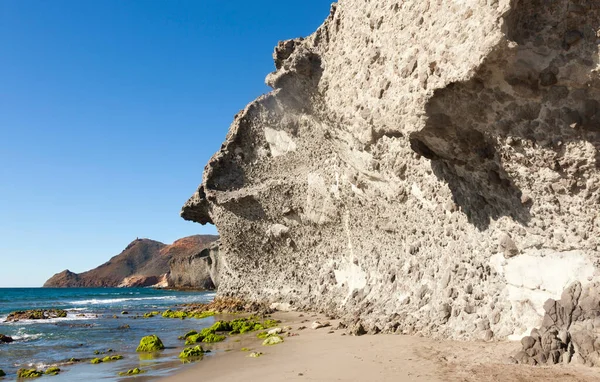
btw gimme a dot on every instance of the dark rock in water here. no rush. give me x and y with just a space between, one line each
2 373
29 373
5 339
37 314
143 263
132 372
52 371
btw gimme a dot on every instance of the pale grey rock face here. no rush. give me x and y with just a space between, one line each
197 271
420 166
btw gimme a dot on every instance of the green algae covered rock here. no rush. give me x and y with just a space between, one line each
132 372
245 349
174 314
262 335
182 315
242 325
186 335
255 354
96 360
190 333
213 338
110 358
199 315
196 351
52 371
151 314
270 323
36 314
150 344
273 340
2 373
192 339
28 373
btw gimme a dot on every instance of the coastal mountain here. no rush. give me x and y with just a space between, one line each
143 262
426 167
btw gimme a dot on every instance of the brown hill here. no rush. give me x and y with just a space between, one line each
143 262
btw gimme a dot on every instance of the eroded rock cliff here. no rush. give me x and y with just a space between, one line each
420 166
199 270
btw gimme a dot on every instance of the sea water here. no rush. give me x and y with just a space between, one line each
91 326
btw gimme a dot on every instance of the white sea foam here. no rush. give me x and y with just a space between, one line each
70 317
26 337
98 301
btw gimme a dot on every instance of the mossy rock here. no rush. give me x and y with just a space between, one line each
2 373
110 358
273 340
270 323
186 335
255 354
52 371
196 351
249 324
132 372
194 338
245 349
174 314
29 373
96 360
151 314
199 315
149 344
211 338
262 335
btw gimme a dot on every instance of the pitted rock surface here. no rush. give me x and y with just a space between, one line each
421 166
569 330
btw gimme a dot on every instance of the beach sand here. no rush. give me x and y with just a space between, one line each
319 355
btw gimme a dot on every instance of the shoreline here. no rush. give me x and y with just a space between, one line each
328 354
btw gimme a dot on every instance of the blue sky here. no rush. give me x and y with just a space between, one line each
109 111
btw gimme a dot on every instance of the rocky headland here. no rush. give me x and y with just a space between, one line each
199 270
424 167
142 263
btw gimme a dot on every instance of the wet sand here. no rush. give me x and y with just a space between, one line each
320 355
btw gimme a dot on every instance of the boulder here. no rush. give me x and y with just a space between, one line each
29 373
150 344
195 351
134 371
273 340
36 314
5 339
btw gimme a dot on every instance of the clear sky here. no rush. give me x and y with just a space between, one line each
109 111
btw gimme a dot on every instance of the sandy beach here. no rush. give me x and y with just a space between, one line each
326 354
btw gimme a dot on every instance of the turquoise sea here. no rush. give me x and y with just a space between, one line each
90 326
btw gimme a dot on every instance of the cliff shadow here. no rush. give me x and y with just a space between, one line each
520 100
